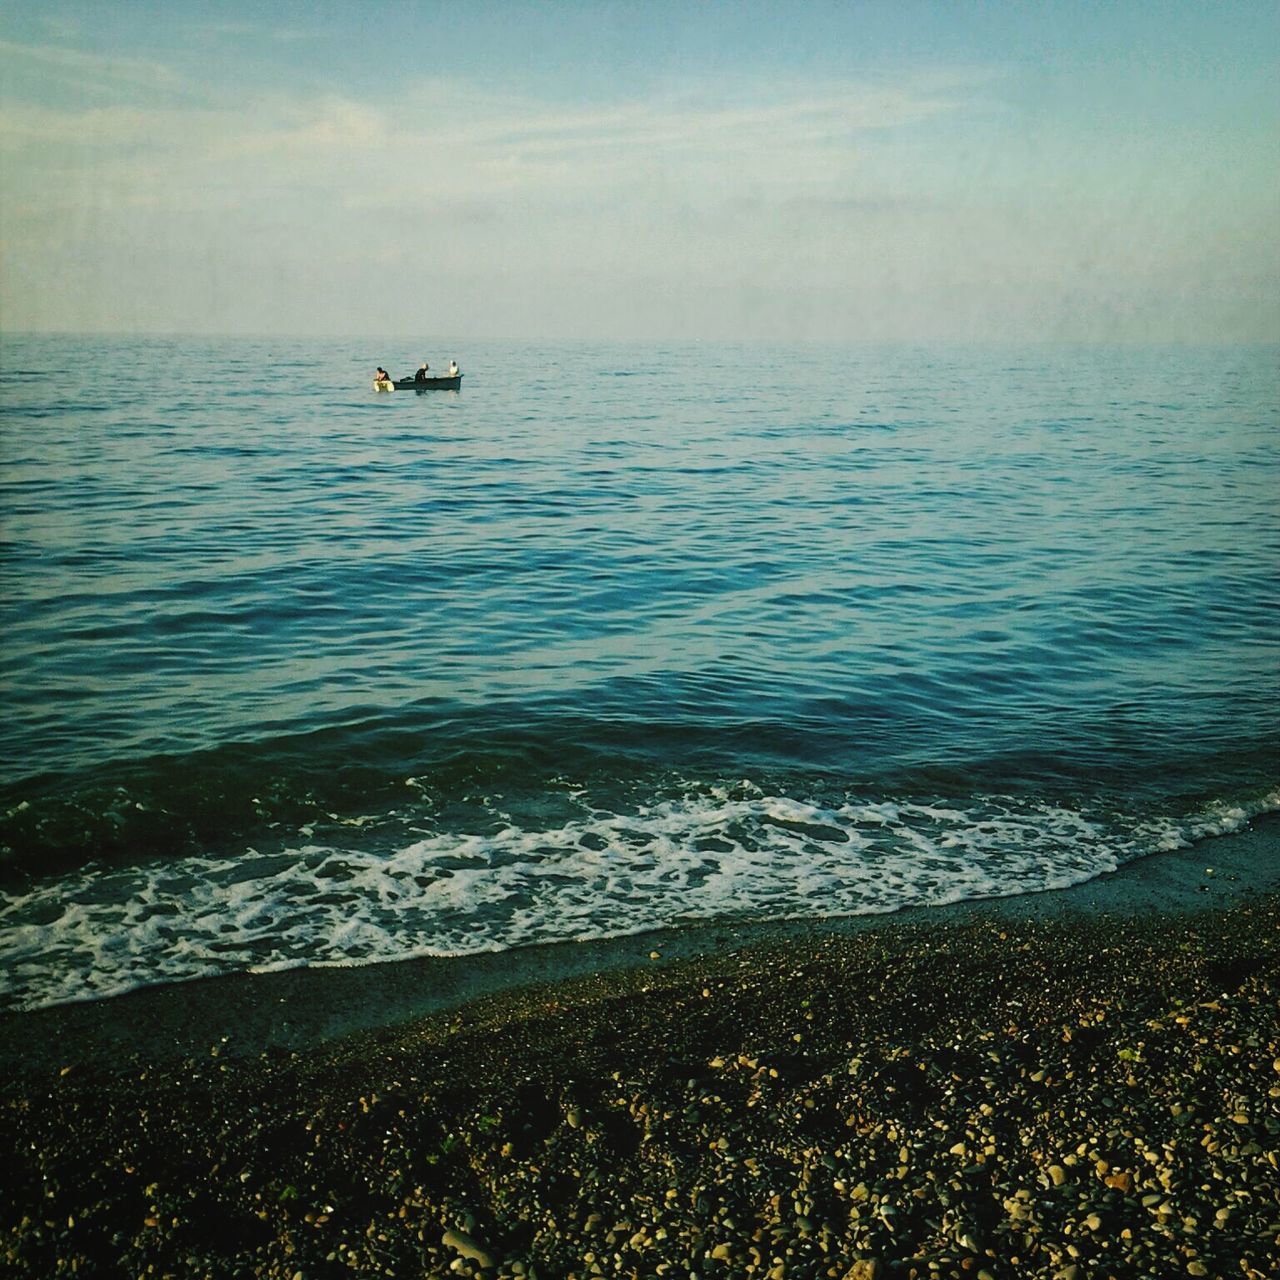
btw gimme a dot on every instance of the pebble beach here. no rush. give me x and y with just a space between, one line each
1083 1086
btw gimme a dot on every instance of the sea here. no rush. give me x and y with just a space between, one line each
614 638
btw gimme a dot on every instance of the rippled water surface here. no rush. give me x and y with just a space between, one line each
612 638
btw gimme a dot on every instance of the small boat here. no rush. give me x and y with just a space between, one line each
446 383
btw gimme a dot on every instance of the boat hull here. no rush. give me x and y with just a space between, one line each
430 384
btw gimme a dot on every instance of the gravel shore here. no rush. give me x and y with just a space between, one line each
1079 1096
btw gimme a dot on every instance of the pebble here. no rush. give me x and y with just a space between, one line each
467 1247
865 1269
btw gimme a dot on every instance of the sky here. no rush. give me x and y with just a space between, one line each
760 172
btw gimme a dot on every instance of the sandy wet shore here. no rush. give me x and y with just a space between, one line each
1083 1084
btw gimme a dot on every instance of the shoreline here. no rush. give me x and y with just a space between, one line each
244 1015
1084 1085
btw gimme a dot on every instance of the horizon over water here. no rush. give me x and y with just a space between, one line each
617 637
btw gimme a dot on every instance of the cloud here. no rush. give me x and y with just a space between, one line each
448 142
894 207
62 26
109 128
738 119
86 72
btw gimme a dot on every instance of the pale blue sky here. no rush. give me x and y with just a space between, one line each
768 172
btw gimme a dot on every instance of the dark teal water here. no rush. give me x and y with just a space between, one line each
615 637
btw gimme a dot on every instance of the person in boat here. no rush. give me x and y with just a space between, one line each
421 375
382 375
453 368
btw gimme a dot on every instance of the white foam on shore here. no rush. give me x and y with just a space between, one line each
722 852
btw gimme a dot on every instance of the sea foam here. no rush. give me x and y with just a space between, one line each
727 852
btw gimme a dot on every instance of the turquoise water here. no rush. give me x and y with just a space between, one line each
612 638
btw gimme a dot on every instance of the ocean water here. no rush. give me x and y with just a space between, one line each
614 638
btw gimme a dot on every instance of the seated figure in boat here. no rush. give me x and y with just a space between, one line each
453 368
421 375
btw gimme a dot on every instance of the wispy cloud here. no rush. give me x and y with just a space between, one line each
111 128
209 30
61 26
84 71
784 203
450 140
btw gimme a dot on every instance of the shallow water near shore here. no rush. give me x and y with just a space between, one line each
613 639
